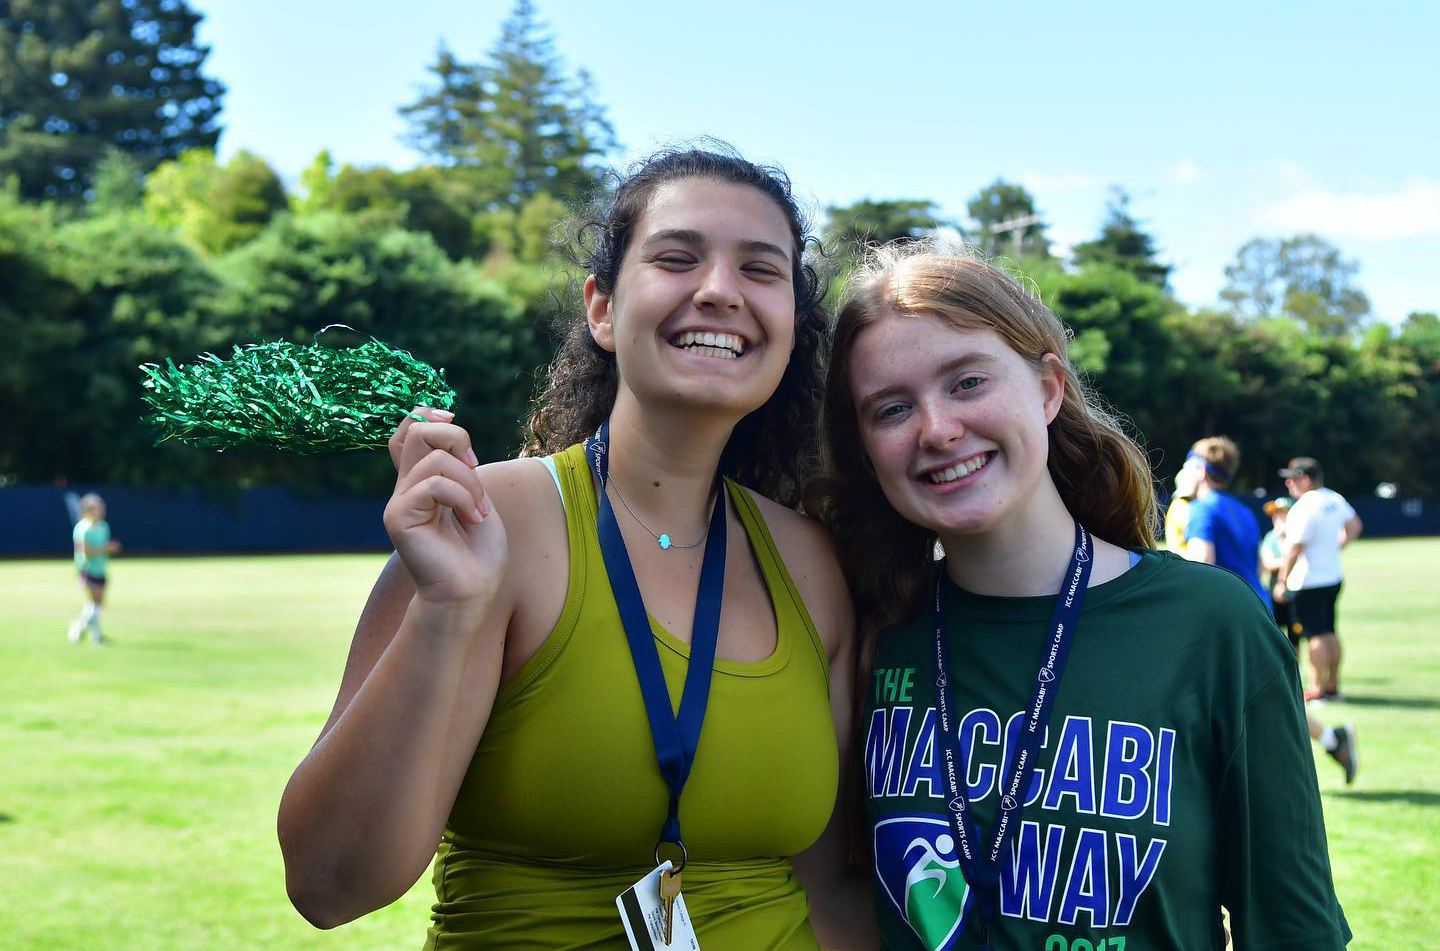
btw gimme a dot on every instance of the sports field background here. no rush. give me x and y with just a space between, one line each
139 782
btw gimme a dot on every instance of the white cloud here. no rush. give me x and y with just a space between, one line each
1290 174
1185 172
1064 181
1411 211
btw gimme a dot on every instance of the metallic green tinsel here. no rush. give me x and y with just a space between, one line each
299 398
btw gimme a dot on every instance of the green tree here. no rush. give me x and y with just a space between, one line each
307 271
850 228
119 183
1303 277
1124 343
425 199
37 321
177 190
215 207
102 295
516 123
244 198
78 77
1124 244
1006 222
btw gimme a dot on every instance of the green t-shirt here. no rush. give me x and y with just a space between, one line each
95 535
1176 774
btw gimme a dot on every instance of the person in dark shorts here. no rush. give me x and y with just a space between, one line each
1320 523
93 548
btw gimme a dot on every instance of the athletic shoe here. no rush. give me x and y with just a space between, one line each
1345 752
76 629
1333 696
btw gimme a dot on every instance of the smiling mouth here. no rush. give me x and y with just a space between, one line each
703 343
960 469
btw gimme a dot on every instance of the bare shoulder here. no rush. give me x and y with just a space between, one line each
525 495
811 558
515 483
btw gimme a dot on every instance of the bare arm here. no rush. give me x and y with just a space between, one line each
1352 530
363 812
1287 564
842 910
1270 562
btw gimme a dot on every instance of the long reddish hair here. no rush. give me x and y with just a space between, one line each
1100 471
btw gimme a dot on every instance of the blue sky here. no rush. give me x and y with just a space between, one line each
1224 120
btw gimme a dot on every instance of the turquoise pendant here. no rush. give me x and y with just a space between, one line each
664 541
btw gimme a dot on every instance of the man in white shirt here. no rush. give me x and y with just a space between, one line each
1320 523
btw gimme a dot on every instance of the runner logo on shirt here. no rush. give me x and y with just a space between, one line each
917 866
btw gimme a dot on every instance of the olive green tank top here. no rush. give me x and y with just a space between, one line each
563 801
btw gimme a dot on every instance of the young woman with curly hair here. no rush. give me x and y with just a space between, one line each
512 689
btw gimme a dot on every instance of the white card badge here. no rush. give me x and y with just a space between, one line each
643 915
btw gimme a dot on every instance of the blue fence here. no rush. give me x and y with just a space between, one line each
1383 518
36 520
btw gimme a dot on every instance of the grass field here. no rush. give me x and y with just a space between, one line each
139 784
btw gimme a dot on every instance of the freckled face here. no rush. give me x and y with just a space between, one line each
953 421
703 310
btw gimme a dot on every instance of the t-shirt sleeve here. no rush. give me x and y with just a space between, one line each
1201 526
1347 511
1274 861
1299 527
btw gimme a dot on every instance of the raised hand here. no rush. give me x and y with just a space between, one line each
444 529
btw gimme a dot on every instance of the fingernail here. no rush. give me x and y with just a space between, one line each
442 415
484 507
471 458
479 515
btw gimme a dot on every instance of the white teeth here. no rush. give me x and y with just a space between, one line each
958 471
728 345
716 352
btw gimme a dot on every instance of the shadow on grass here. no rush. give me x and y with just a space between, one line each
1414 797
1406 703
6 817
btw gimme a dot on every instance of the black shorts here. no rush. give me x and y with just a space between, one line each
1315 610
1284 614
97 581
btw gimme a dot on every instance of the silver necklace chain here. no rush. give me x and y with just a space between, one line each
661 538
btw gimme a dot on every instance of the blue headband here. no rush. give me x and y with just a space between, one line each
1213 471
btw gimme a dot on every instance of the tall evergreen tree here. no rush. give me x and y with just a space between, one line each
1124 244
516 122
1006 221
849 228
78 77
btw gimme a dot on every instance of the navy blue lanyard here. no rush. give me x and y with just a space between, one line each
676 737
981 861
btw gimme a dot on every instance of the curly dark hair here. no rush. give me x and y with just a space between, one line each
773 447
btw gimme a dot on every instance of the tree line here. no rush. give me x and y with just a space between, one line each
124 240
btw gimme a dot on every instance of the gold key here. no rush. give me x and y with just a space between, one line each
669 891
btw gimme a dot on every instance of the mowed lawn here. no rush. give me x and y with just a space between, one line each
139 782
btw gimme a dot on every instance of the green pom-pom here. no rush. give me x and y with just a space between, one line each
299 398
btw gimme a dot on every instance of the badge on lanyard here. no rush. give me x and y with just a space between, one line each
676 737
651 919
